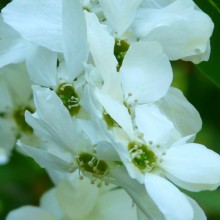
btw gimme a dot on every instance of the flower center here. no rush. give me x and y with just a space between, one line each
90 163
69 97
120 50
20 119
142 157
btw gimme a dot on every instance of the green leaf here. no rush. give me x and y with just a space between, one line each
212 68
3 3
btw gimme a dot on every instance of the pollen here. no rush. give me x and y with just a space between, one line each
142 157
69 97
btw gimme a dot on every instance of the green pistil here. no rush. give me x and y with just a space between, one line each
109 120
90 163
142 157
120 50
69 97
20 119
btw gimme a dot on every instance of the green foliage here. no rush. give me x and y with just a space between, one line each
212 68
3 3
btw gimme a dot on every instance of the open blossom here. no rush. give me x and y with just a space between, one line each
75 199
16 97
171 24
105 107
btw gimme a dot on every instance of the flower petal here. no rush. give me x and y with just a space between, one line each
41 65
117 111
45 159
154 125
19 83
12 46
48 202
60 124
137 193
30 212
197 211
181 112
101 42
120 14
173 27
41 21
194 165
74 37
7 137
146 73
171 202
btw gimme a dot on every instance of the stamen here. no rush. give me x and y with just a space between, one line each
141 156
69 97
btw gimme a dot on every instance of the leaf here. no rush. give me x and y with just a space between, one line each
3 3
212 68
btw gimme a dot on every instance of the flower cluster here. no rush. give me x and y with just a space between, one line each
102 106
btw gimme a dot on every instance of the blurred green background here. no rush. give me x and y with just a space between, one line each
22 181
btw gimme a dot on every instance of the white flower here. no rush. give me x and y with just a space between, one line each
66 33
15 98
58 26
153 160
177 27
65 146
77 199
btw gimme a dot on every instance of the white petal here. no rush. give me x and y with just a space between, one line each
55 115
105 151
49 203
7 137
45 159
193 164
19 83
12 46
41 64
120 14
30 212
181 112
101 45
5 95
116 204
174 28
41 21
74 37
72 194
171 202
200 57
146 72
117 111
137 193
197 211
154 125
